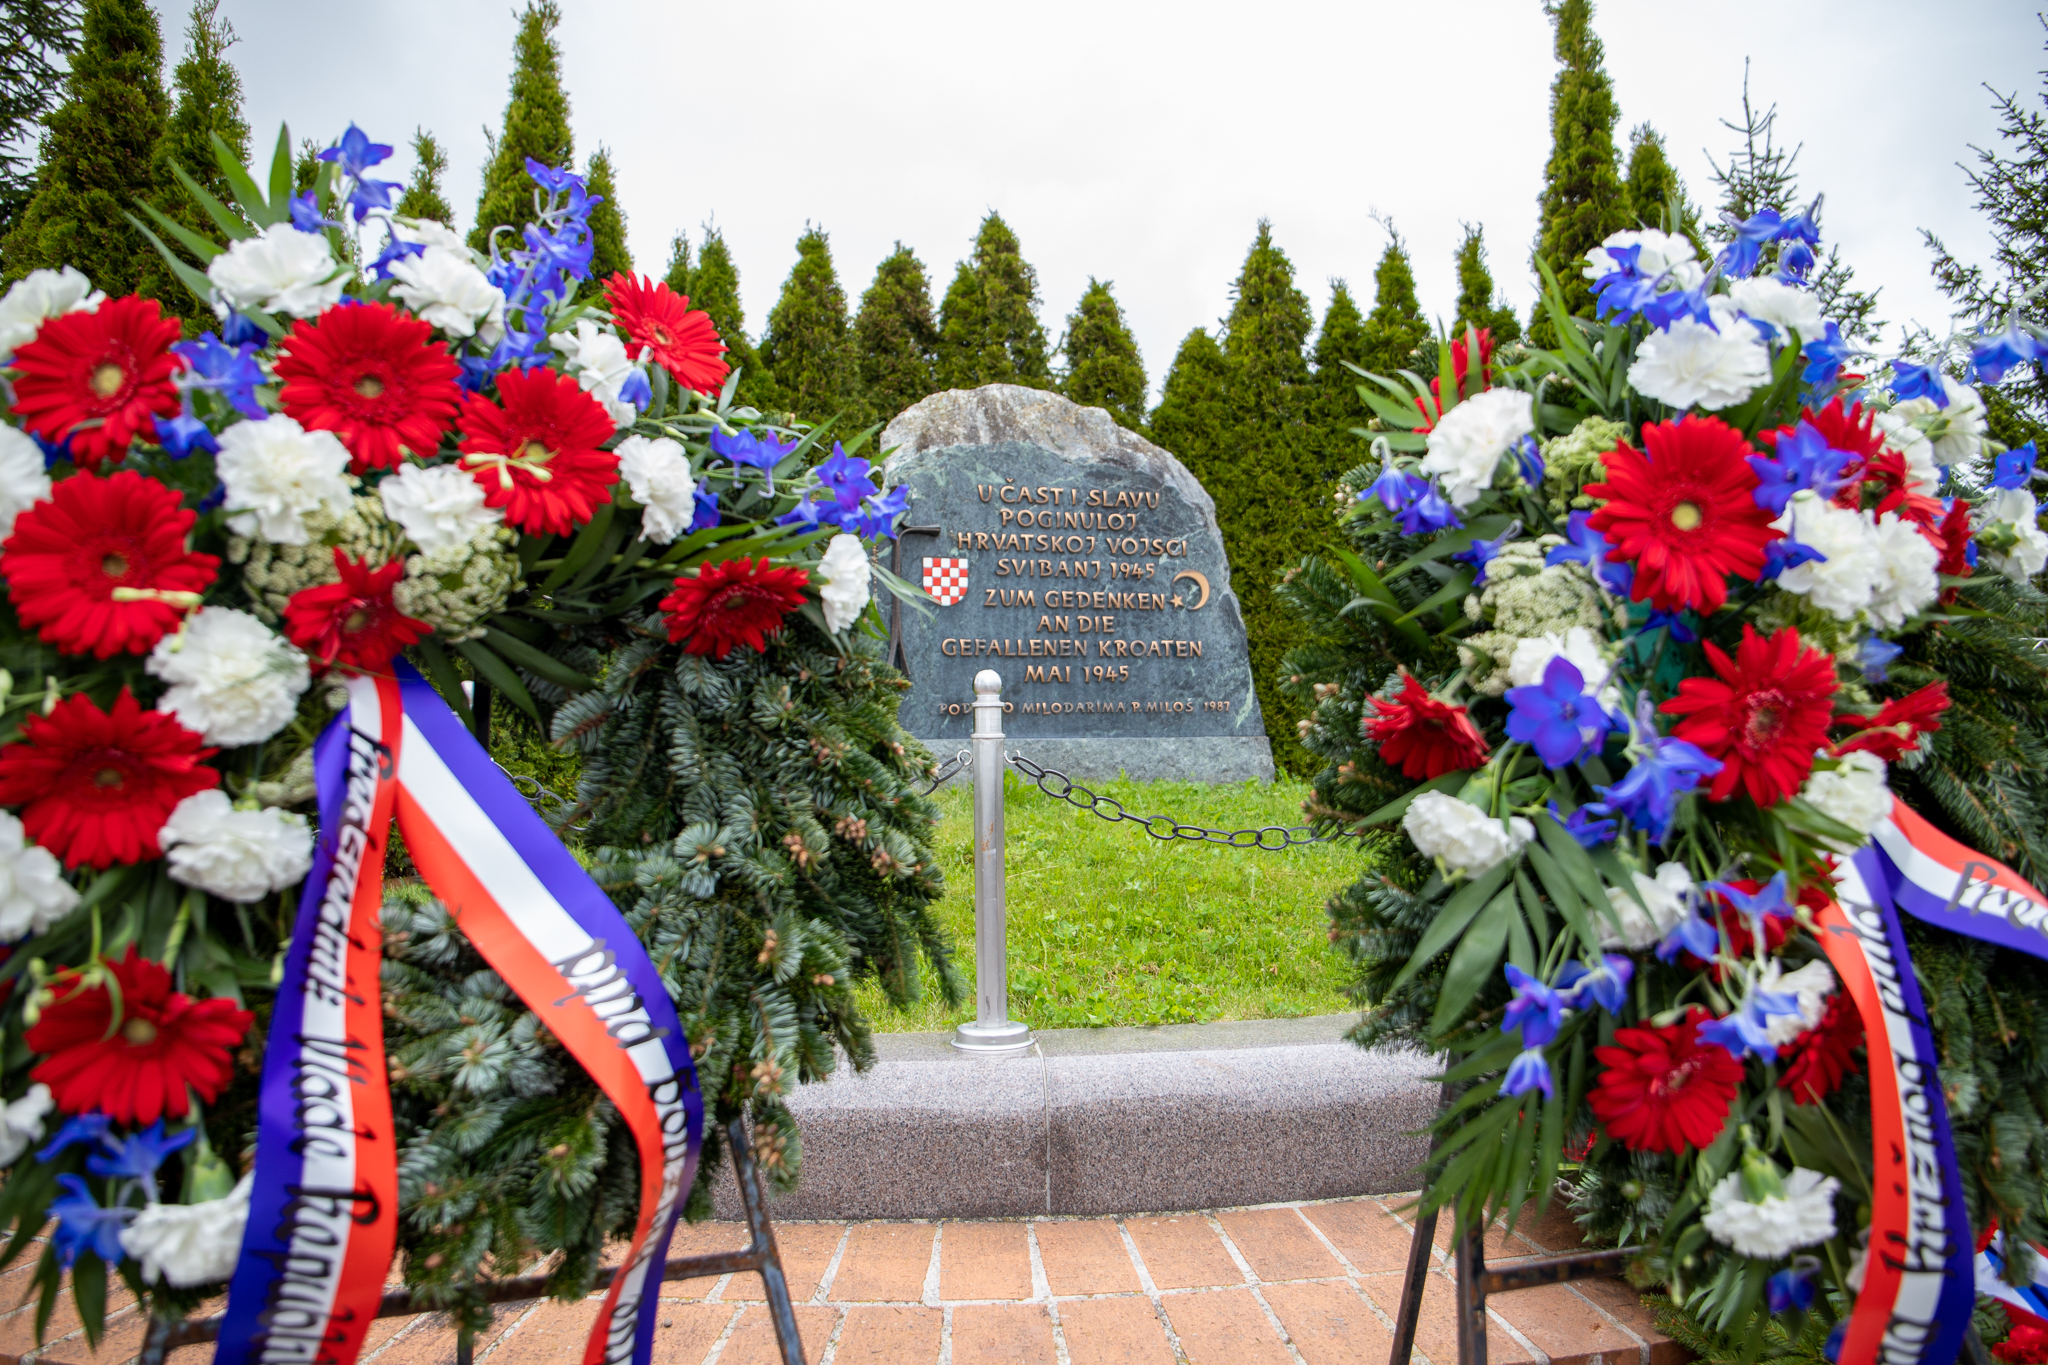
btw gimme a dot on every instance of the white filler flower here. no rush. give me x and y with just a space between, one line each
1665 895
1908 572
21 1122
1661 251
445 287
598 360
232 679
33 892
1786 307
1845 581
1774 1226
238 855
658 474
190 1244
279 270
847 572
23 481
1466 446
1854 794
276 473
440 507
39 296
1461 836
1691 364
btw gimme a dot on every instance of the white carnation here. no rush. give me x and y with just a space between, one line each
1661 251
847 572
21 1122
1690 364
1908 575
23 480
1786 307
1854 794
277 473
444 286
1578 647
1464 838
1466 446
428 232
1811 985
597 358
279 270
2026 558
190 1244
238 855
232 679
658 475
1955 432
1846 580
1665 900
39 296
33 892
1896 425
1775 1226
439 506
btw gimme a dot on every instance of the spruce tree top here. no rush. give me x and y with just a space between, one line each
100 155
806 344
35 38
1582 200
536 125
609 255
896 338
423 197
1267 330
1104 369
1341 338
1194 404
1477 306
209 105
989 331
1395 330
1656 196
677 276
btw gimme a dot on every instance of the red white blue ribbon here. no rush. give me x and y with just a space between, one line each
1934 878
323 1210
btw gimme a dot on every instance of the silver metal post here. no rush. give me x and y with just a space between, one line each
993 1031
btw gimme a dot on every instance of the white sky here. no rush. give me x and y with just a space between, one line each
1140 143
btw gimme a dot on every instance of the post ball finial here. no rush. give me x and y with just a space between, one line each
988 682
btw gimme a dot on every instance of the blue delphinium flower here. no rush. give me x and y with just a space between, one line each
1588 831
1795 261
552 180
1747 1028
1529 1071
230 371
1394 489
1483 552
1918 381
637 389
755 450
877 520
1692 934
1624 290
138 1156
82 1225
1666 308
1555 717
1740 257
1605 983
1831 1349
183 434
1786 553
236 330
1792 1287
306 215
354 155
1994 354
86 1128
1536 1009
707 509
394 251
846 478
1427 514
1757 906
811 515
1664 769
2015 468
1874 655
1584 545
1673 621
1803 459
556 254
1529 461
1825 356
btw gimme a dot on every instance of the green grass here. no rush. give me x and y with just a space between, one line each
1110 926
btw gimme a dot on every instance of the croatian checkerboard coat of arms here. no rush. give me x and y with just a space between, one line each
945 578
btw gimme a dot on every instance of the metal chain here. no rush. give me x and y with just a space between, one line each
957 763
1162 827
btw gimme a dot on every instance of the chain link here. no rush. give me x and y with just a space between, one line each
957 763
1060 787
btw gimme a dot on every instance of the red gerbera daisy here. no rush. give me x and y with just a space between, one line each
1816 1061
657 319
95 786
354 622
1849 430
1423 736
1762 717
374 376
1952 538
1895 493
1663 1089
1432 410
2026 1344
1895 730
69 554
98 377
134 1060
537 457
737 602
1685 515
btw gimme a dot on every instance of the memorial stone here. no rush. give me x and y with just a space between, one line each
1083 564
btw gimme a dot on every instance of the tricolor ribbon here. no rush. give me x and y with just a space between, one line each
324 1208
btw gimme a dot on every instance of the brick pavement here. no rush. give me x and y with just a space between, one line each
1288 1284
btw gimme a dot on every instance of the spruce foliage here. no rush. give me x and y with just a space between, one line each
209 105
1104 369
1654 193
895 338
989 331
1582 200
1334 408
609 255
807 344
536 125
1395 330
424 196
36 36
1477 307
100 158
715 288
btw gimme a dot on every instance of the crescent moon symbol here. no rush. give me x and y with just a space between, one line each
1202 580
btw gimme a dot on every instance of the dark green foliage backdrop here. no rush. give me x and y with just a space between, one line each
1395 330
1477 306
1104 369
989 331
36 37
424 195
808 345
609 255
536 125
896 338
1582 200
209 105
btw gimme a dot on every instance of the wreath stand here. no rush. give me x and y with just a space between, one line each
760 1254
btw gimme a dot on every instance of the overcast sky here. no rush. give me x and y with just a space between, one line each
1141 143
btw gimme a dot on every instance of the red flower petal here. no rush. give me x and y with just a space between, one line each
1423 736
656 319
1762 717
354 622
737 602
537 456
98 377
1663 1089
374 376
1817 1060
95 786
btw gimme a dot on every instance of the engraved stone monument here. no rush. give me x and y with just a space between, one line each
1082 563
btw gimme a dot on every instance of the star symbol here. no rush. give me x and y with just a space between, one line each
1179 601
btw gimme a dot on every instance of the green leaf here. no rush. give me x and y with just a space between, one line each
581 549
1398 807
537 660
1577 867
187 276
89 1288
281 168
247 195
231 224
441 670
1450 921
1460 586
204 248
498 674
1475 961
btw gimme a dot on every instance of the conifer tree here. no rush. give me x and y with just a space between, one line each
100 157
1194 413
677 276
424 197
715 288
209 105
1104 369
989 331
536 125
1655 195
1582 200
1335 408
1477 306
36 36
609 255
895 338
1395 330
807 344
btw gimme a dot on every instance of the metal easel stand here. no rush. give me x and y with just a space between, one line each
760 1254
